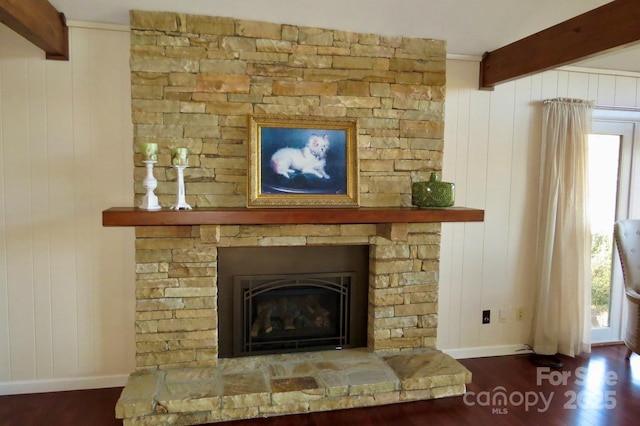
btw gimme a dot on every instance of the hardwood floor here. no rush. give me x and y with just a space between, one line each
600 389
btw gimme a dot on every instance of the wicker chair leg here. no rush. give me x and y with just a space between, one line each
628 355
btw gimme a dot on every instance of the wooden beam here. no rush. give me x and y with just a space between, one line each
40 23
606 28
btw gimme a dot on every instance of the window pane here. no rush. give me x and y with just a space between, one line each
603 184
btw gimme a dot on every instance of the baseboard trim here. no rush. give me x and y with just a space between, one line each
486 351
59 385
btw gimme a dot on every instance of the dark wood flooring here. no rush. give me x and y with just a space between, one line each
600 389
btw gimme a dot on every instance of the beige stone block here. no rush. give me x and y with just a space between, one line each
156 283
184 52
415 395
388 299
192 107
422 297
239 413
202 282
162 243
310 61
146 118
163 64
280 46
352 62
256 29
311 230
146 268
223 66
391 266
153 315
297 408
195 254
149 293
372 51
396 322
158 304
200 24
137 398
229 108
316 36
415 309
183 270
293 397
260 231
145 347
144 327
190 292
423 277
373 388
210 234
238 44
266 57
328 111
146 20
222 83
246 400
282 241
148 49
187 405
286 88
446 391
341 403
192 324
423 48
164 358
290 32
377 166
341 240
420 332
400 251
334 50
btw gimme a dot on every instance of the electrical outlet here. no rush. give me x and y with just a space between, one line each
502 315
519 313
486 316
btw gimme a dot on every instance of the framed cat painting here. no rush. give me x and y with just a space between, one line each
302 162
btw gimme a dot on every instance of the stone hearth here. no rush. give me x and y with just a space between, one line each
248 387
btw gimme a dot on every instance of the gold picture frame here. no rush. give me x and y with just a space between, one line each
302 162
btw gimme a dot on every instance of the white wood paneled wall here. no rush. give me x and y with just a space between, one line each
492 153
66 283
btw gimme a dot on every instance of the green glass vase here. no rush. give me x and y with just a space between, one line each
433 194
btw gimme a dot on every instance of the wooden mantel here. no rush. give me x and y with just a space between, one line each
131 216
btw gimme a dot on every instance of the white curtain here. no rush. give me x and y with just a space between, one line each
563 252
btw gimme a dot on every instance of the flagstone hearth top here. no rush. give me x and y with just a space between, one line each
131 216
288 383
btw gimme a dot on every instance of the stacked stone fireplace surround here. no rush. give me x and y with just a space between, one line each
194 80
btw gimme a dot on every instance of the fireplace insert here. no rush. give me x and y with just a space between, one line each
286 313
287 299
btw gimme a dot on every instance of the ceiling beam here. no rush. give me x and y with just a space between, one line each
608 27
40 23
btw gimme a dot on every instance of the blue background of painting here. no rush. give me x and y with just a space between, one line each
272 139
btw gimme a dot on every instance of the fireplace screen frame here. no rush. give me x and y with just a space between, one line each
249 288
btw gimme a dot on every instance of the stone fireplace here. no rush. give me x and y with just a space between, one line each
194 81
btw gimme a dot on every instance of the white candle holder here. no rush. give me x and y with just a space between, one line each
150 200
181 202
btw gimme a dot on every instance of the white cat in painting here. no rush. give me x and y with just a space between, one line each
310 159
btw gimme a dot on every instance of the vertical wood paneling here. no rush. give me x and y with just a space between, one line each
491 265
66 283
19 232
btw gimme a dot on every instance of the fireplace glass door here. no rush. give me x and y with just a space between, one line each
292 312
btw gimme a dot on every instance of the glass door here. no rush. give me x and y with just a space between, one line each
610 152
